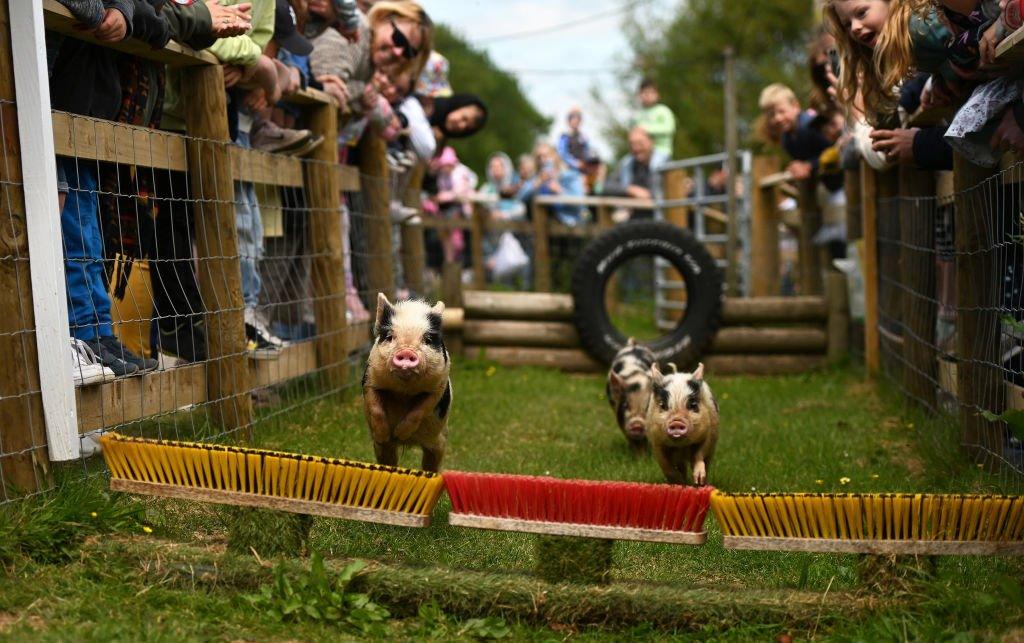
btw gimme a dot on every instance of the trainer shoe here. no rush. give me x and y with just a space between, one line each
86 365
89 445
313 143
254 319
185 341
111 349
259 346
267 136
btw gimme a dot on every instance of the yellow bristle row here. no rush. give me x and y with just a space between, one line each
272 473
929 517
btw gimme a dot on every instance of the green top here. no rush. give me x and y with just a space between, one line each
660 123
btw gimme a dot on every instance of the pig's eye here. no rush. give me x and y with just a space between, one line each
692 404
386 336
432 339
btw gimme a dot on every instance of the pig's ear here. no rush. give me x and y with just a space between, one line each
438 308
675 369
616 384
699 373
384 312
656 377
630 343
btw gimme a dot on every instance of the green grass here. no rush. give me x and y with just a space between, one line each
803 433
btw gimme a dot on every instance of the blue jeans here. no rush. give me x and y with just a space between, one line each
88 301
249 225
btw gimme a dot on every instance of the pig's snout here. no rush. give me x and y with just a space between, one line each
676 428
405 360
635 428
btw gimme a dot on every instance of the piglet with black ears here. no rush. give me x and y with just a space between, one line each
682 424
407 395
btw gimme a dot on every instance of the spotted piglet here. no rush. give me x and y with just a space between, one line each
407 395
629 392
682 424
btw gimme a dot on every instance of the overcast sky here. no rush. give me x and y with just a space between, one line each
596 44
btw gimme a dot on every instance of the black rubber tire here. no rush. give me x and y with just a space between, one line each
682 345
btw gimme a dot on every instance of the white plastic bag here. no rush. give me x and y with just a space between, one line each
509 258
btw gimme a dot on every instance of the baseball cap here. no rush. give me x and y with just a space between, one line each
285 32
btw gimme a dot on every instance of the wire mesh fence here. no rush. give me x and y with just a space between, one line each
950 311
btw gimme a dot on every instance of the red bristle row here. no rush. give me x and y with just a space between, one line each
590 502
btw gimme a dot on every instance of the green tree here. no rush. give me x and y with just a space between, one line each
685 52
513 123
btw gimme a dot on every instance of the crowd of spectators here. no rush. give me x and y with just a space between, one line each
375 59
879 66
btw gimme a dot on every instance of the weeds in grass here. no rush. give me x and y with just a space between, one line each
48 528
320 598
433 624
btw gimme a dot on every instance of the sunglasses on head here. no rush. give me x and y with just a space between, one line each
399 40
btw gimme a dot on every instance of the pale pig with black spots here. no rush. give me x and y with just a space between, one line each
407 394
682 425
629 392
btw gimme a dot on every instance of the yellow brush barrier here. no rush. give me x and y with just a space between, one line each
878 523
273 480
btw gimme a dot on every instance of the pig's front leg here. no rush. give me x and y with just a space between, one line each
387 453
700 467
376 416
411 422
668 467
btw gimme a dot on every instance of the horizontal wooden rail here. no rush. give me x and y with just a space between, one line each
261 167
774 309
1011 49
97 140
597 201
778 178
131 399
59 19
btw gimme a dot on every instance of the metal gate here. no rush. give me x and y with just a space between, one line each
705 206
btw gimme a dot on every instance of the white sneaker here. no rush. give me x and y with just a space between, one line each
254 319
86 366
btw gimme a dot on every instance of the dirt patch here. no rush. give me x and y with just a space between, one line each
8 620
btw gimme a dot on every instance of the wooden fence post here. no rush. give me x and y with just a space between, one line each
869 265
541 248
838 316
917 275
219 273
414 253
979 377
373 169
890 297
451 293
24 466
810 222
854 218
764 231
478 228
679 216
326 237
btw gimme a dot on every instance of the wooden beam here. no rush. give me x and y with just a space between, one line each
879 547
869 267
577 529
763 364
571 360
759 310
414 252
24 465
326 240
979 206
764 232
60 20
1011 49
836 292
795 339
348 178
373 165
541 247
276 503
514 305
810 221
219 273
255 166
521 333
129 399
296 360
918 280
96 140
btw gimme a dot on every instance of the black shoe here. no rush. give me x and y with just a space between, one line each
186 341
143 364
259 345
114 360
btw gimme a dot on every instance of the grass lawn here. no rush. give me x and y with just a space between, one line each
805 433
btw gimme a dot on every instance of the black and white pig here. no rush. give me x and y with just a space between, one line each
629 392
682 424
407 395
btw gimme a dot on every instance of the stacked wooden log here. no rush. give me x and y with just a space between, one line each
759 336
